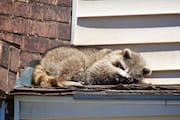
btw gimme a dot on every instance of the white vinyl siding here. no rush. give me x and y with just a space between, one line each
97 22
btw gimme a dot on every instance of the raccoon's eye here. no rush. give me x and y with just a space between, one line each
119 65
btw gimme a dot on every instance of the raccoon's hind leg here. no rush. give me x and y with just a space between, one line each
41 78
71 71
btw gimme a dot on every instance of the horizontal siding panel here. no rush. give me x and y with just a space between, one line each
162 81
100 36
163 60
93 8
93 109
126 30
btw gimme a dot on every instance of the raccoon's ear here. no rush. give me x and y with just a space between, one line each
127 53
146 71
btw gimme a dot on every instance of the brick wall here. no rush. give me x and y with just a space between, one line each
27 29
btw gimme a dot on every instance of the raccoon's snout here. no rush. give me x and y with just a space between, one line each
120 79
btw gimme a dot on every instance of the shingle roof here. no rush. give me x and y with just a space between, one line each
120 89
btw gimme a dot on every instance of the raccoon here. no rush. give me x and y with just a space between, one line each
119 66
75 66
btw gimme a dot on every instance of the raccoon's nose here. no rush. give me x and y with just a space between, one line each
147 71
139 76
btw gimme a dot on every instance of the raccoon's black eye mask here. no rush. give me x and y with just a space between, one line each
119 65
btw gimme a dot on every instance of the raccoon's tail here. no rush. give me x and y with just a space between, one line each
41 78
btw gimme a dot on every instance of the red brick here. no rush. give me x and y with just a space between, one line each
23 9
53 2
44 29
7 80
56 2
6 6
14 59
26 57
12 24
56 43
16 39
20 25
23 1
5 23
11 81
28 10
11 38
36 11
4 55
56 13
64 2
4 79
35 44
64 31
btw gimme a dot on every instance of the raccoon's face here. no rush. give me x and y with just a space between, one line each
135 65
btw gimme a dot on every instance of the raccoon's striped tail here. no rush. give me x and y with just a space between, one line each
41 78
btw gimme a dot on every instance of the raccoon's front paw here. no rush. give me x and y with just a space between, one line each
123 80
68 84
123 73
